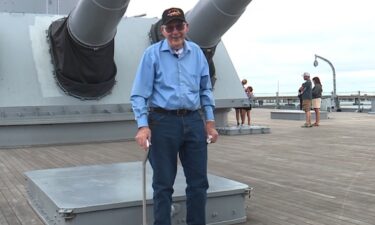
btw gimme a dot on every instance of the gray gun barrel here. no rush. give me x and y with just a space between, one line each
94 22
210 19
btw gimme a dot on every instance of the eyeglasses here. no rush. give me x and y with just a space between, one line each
170 27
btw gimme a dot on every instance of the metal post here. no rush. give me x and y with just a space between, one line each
359 101
334 95
277 100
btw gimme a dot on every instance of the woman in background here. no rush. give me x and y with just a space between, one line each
316 99
239 110
246 110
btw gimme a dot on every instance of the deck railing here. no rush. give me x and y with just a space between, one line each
352 101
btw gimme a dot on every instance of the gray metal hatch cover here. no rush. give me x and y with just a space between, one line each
109 186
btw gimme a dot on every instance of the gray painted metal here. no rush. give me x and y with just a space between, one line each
34 105
112 194
372 105
25 126
86 23
296 115
218 17
326 104
62 133
33 97
241 130
38 6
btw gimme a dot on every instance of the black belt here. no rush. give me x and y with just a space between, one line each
178 112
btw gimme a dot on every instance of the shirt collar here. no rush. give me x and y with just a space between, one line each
165 46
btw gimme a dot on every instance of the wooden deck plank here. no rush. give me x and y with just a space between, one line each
15 194
6 209
20 208
2 219
317 176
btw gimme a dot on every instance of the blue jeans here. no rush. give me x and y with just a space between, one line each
182 136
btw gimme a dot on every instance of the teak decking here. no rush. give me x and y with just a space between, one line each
301 176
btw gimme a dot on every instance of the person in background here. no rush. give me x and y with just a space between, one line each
306 90
238 110
317 99
300 98
245 112
171 85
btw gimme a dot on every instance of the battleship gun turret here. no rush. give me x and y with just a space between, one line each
35 111
82 47
208 22
86 64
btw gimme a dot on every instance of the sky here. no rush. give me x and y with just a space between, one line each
275 41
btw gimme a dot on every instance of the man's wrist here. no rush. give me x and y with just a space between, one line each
210 123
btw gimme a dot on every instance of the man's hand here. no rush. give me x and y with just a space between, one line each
212 133
143 137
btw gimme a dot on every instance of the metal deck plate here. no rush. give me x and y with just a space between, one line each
89 195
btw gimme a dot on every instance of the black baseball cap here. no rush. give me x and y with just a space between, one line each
172 14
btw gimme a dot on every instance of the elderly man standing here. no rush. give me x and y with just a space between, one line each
172 83
306 90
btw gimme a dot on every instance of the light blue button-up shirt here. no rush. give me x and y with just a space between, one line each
166 81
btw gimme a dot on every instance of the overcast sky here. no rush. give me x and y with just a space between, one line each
275 41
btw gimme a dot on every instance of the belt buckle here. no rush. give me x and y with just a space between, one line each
181 112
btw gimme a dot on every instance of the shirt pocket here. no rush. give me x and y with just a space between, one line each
192 82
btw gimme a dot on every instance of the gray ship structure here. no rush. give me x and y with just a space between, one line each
67 67
66 70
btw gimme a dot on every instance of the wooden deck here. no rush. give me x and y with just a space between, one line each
301 176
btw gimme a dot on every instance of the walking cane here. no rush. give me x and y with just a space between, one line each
144 205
